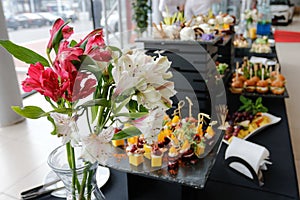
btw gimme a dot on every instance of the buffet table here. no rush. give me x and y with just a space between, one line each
280 180
223 183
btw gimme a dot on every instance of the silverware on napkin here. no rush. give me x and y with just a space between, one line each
41 190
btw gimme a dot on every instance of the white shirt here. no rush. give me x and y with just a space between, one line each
169 7
196 7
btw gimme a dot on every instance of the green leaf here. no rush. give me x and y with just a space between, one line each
72 43
54 132
62 110
258 101
142 108
115 49
132 115
57 38
243 107
96 102
94 111
121 105
127 133
26 55
243 99
32 112
132 106
125 95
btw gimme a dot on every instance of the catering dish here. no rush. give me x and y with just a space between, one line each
256 79
183 151
102 177
240 41
269 120
261 45
199 28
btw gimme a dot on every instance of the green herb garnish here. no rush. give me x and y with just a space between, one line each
253 107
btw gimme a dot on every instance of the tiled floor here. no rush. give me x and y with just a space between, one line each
289 58
25 146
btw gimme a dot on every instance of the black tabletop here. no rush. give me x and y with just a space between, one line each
280 180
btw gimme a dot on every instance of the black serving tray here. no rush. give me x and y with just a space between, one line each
242 52
266 95
255 94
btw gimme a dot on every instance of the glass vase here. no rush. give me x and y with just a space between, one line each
80 182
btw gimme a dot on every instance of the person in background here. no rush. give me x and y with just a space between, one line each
196 7
97 5
169 7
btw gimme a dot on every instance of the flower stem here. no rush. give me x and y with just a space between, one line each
72 164
84 182
104 95
49 57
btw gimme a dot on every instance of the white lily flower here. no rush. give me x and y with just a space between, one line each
97 147
146 76
66 128
151 124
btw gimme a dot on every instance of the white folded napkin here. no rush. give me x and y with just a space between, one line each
262 60
253 154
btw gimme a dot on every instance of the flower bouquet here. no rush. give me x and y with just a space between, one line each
92 88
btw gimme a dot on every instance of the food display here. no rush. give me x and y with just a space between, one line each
182 141
251 117
221 68
258 79
261 45
240 41
200 28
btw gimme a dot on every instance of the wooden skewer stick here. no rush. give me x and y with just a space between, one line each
277 70
190 106
160 31
178 110
200 119
255 70
236 71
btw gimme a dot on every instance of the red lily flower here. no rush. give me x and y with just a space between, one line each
46 82
55 37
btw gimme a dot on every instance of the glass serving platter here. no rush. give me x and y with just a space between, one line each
191 174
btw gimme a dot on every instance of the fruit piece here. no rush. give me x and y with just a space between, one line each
167 132
147 149
252 127
186 145
243 133
199 130
200 149
244 123
117 143
132 140
175 119
209 132
174 140
227 136
173 152
266 120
